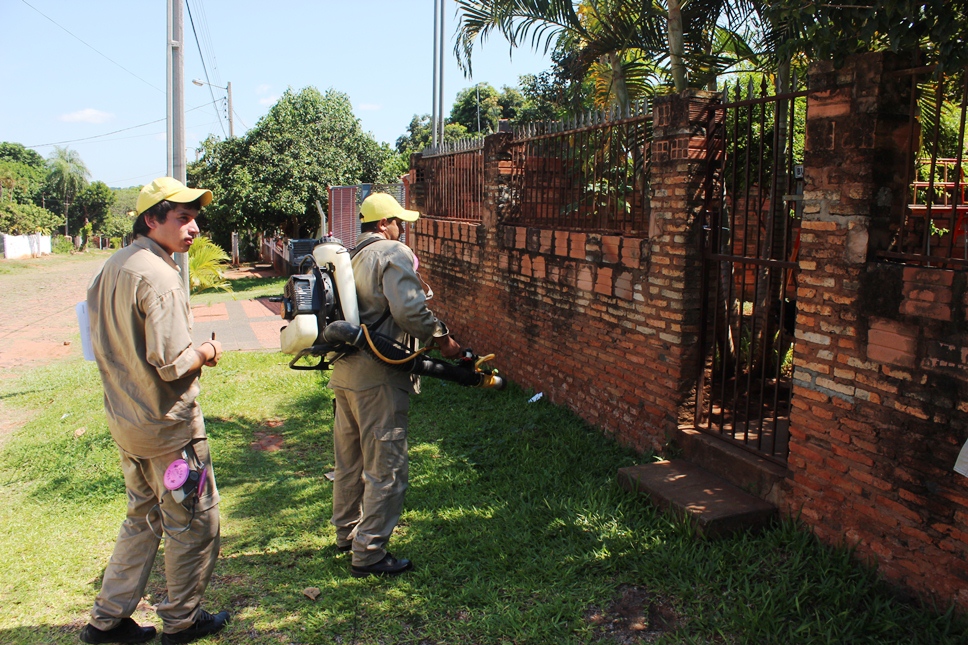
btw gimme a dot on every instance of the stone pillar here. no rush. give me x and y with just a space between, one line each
852 168
876 424
498 172
673 300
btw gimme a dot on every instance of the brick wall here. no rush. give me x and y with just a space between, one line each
880 404
603 324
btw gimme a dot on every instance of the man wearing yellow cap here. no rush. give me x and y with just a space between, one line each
372 400
141 325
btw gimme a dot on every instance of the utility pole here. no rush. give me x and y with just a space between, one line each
176 109
228 89
433 116
441 94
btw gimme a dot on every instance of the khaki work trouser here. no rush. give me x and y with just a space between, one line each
370 444
189 556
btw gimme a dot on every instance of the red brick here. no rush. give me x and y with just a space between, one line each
929 276
611 245
576 243
936 311
890 356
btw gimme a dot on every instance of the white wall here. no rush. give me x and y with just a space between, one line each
25 246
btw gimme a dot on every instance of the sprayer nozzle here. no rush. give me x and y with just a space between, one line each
492 381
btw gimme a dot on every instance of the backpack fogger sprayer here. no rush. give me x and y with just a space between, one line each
324 322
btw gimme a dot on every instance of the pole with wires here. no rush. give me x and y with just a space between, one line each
433 115
440 95
228 89
176 110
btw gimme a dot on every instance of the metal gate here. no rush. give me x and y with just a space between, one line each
344 208
751 230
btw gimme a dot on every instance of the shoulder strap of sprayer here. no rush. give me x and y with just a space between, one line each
353 253
366 243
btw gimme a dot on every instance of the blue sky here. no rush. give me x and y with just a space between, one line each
58 89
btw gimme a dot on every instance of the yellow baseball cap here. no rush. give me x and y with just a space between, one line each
381 205
173 190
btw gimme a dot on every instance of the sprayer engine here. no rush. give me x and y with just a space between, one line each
321 294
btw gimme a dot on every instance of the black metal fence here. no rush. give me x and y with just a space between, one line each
751 238
590 173
932 228
454 176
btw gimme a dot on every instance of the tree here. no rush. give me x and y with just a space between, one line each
22 174
67 176
630 48
479 108
419 136
934 30
93 204
270 179
24 219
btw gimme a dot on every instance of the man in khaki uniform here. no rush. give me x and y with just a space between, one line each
372 400
141 325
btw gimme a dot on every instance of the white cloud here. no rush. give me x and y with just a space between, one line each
370 107
262 89
87 115
268 100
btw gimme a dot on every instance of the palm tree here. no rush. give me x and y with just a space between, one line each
683 42
67 175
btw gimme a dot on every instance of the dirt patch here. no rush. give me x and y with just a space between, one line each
37 319
635 616
38 324
266 442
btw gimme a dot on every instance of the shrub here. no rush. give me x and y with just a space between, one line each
62 244
206 263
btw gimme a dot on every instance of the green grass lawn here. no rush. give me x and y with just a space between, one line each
514 520
242 289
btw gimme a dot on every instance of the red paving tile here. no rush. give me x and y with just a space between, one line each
210 312
267 332
259 309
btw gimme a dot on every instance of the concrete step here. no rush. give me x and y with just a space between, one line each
717 507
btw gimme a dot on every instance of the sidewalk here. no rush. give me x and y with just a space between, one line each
240 325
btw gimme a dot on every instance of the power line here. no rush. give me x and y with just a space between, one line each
107 134
204 66
91 47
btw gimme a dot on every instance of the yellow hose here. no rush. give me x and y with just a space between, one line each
383 358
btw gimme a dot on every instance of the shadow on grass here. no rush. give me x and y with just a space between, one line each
500 514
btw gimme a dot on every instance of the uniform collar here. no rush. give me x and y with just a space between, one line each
148 244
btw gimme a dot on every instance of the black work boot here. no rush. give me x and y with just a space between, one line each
388 566
205 625
127 631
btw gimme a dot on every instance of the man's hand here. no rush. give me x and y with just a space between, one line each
211 352
449 348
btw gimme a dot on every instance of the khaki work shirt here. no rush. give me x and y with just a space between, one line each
385 277
141 330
